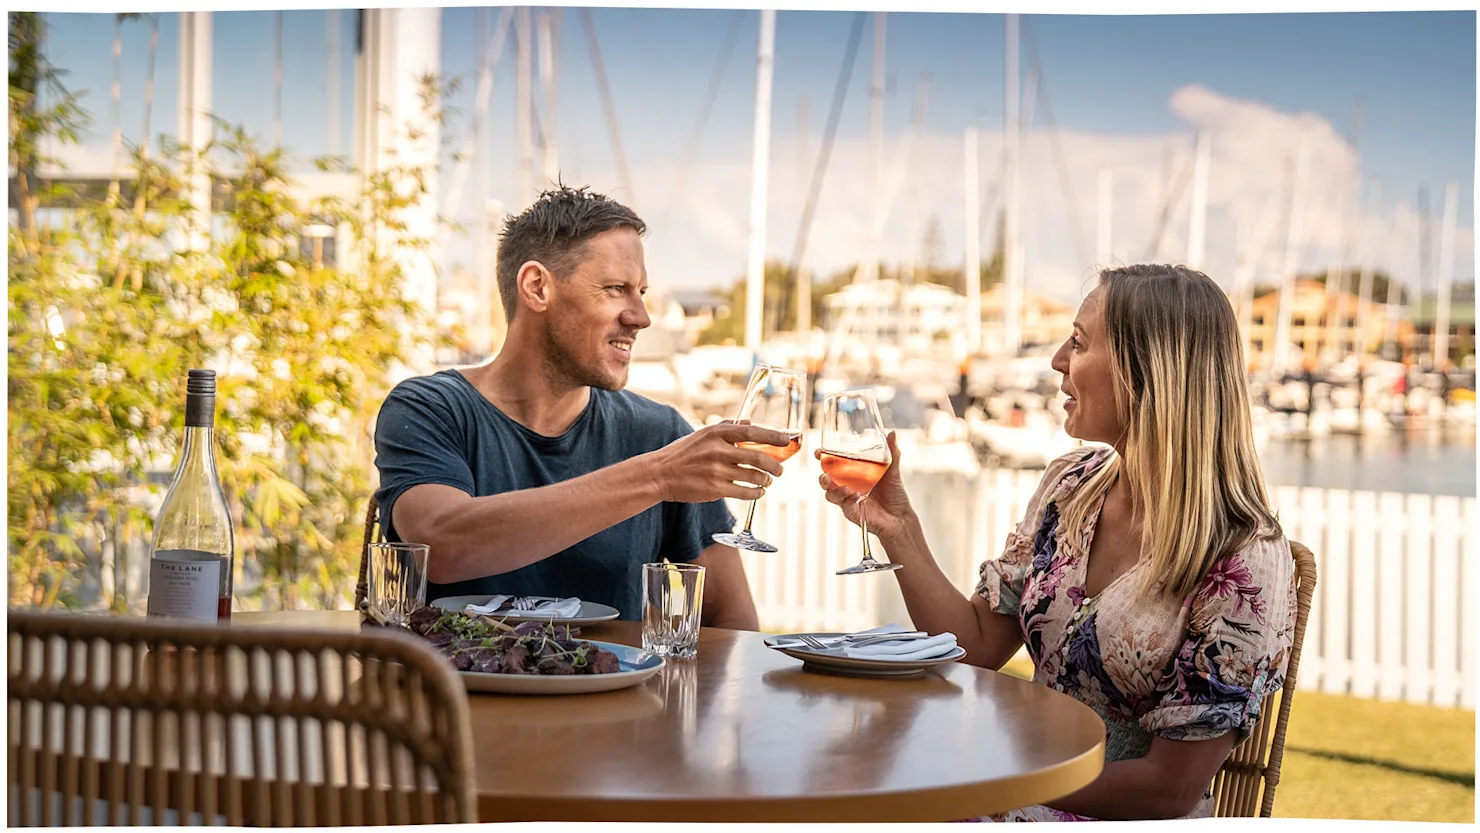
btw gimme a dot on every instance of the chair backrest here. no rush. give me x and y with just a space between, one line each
131 721
1256 761
372 533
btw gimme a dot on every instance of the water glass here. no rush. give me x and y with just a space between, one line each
397 581
672 601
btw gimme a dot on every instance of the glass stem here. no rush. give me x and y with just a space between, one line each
750 516
863 524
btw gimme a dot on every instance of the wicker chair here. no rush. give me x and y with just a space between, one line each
373 531
1256 762
131 721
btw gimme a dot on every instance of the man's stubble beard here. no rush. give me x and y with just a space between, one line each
562 365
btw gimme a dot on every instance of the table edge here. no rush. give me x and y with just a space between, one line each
931 804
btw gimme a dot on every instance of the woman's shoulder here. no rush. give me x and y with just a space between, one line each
1257 578
1066 472
1267 553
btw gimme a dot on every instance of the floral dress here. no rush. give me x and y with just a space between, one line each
1190 669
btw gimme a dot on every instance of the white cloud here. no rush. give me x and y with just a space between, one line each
1253 147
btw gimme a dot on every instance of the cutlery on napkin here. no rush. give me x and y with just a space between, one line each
903 649
541 606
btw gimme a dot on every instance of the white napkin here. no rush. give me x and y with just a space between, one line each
897 650
546 607
903 650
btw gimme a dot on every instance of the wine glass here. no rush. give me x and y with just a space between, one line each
855 453
773 399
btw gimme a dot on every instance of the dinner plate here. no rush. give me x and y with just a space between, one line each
637 665
839 664
589 614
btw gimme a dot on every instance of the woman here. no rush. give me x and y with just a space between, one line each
1149 578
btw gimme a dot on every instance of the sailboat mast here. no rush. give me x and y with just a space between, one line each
1012 265
1241 268
1198 222
876 148
1364 286
1446 276
1390 336
917 120
1104 244
1337 290
1291 260
548 23
331 76
755 275
804 155
277 79
524 105
973 244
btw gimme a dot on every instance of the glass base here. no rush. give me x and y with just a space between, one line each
743 541
868 567
670 651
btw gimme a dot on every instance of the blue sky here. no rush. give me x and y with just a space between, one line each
1109 77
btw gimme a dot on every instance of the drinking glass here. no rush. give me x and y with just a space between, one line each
397 581
672 601
773 399
855 454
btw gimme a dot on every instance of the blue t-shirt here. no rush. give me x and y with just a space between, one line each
441 429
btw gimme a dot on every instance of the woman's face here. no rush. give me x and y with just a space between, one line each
1089 378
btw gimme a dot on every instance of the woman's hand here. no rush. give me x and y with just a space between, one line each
889 510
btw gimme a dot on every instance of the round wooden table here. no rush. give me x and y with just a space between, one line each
742 734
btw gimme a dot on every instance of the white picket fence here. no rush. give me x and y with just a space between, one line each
1393 616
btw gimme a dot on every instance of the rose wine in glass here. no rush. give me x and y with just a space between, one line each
773 399
855 454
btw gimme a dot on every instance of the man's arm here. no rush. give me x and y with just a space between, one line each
473 537
727 599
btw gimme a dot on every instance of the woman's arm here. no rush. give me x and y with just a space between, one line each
934 603
936 606
1166 784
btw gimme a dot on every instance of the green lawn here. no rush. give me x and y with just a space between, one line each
1350 758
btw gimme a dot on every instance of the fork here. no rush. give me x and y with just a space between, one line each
854 641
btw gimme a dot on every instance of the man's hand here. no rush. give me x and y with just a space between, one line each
708 465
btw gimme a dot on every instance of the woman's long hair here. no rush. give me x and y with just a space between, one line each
1189 455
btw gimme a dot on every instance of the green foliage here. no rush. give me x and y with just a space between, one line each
780 305
780 309
780 289
108 307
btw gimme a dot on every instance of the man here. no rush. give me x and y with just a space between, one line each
536 474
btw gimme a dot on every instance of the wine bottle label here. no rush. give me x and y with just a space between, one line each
184 584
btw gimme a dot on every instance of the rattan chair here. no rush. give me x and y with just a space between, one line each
137 722
1256 762
373 532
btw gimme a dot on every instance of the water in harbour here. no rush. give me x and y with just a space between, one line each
1419 462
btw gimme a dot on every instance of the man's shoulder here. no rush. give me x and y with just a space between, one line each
435 398
636 409
444 390
443 384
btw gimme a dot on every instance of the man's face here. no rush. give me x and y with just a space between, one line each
596 312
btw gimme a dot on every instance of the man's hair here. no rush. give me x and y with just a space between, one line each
553 232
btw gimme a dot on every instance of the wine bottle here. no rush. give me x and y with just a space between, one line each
191 563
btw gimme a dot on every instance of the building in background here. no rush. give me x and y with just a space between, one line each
1418 346
1312 307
